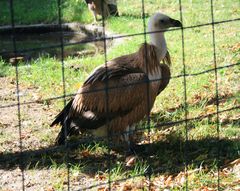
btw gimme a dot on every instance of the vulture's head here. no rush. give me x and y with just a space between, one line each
159 21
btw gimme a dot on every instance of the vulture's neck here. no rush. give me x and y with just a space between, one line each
157 39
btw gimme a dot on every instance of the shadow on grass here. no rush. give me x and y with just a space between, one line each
167 156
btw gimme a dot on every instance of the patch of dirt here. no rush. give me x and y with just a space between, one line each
35 133
33 180
33 118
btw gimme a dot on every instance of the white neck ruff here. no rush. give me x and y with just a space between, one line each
157 39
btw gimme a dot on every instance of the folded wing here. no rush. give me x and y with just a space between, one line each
109 95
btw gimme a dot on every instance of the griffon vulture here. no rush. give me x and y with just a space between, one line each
102 7
133 82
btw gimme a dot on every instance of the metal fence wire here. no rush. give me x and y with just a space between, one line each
23 158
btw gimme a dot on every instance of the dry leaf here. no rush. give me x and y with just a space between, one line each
25 135
169 180
180 179
101 189
210 109
50 188
235 162
126 187
101 177
235 48
85 153
130 161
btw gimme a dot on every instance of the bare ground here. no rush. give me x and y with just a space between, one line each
35 133
33 118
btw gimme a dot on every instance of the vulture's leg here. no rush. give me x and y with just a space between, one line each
131 134
128 138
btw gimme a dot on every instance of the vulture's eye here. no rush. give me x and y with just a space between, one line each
162 21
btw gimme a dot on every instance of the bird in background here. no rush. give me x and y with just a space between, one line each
133 83
104 8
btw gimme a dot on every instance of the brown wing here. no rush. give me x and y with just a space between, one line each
166 75
118 89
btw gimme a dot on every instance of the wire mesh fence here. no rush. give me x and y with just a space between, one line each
147 152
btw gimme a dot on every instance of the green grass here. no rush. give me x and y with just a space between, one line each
43 12
4 68
169 145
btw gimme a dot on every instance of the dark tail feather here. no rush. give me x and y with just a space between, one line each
60 139
62 118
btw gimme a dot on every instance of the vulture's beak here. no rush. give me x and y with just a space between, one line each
175 23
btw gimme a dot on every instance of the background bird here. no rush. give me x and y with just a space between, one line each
105 8
133 82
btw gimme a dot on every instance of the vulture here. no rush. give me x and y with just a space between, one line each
105 8
120 93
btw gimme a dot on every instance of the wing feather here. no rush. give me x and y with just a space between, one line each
166 75
117 90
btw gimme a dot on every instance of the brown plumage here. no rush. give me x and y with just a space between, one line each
133 82
104 8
